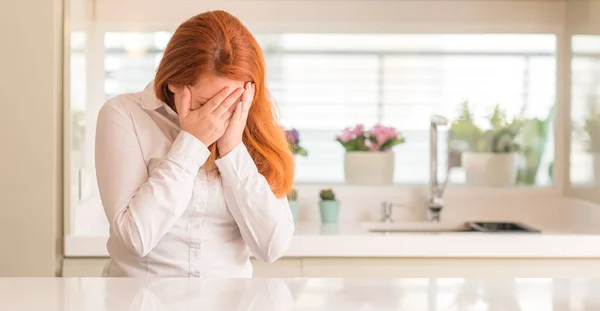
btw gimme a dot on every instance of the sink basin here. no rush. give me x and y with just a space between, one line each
415 226
470 226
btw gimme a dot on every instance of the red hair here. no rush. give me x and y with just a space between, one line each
217 43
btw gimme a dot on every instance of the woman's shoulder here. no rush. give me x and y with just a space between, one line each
127 104
124 103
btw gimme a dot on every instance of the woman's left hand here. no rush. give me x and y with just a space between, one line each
237 123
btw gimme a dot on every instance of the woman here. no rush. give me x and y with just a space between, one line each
193 171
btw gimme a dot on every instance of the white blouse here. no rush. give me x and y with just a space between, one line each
168 217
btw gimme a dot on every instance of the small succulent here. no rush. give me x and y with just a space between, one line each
327 195
293 195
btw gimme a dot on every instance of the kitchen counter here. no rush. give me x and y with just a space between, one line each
97 294
316 240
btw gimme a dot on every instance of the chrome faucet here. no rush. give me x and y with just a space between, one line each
436 191
387 208
435 202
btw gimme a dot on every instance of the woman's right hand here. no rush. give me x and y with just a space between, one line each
207 123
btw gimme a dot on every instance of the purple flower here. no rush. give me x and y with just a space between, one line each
292 136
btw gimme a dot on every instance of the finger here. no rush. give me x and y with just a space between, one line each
229 114
228 102
247 99
237 114
183 101
216 100
231 109
227 124
247 92
253 94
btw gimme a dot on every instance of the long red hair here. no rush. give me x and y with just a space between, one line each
217 43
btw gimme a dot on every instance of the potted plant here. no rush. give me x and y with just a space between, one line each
329 207
533 138
491 158
293 139
369 159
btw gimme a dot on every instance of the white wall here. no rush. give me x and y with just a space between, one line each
344 16
30 156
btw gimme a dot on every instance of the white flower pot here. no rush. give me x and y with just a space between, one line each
490 169
369 168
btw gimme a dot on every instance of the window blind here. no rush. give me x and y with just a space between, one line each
322 83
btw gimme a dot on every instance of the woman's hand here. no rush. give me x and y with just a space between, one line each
237 123
209 122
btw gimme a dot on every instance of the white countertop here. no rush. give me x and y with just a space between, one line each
316 240
97 294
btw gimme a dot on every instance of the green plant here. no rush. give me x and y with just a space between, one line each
327 195
464 128
501 137
293 195
533 137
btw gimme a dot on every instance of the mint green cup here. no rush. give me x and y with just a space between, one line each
294 208
330 210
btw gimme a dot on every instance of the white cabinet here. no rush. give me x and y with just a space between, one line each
392 267
283 268
87 267
92 267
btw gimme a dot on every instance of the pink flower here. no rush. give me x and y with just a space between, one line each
378 138
381 134
349 134
346 136
358 130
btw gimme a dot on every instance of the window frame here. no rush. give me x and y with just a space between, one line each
438 18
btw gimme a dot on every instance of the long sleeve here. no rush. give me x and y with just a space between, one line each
265 222
141 207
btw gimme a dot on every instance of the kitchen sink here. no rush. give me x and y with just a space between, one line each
415 226
469 226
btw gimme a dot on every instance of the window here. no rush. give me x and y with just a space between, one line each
323 83
585 89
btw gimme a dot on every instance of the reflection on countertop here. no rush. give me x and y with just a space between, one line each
179 294
299 294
